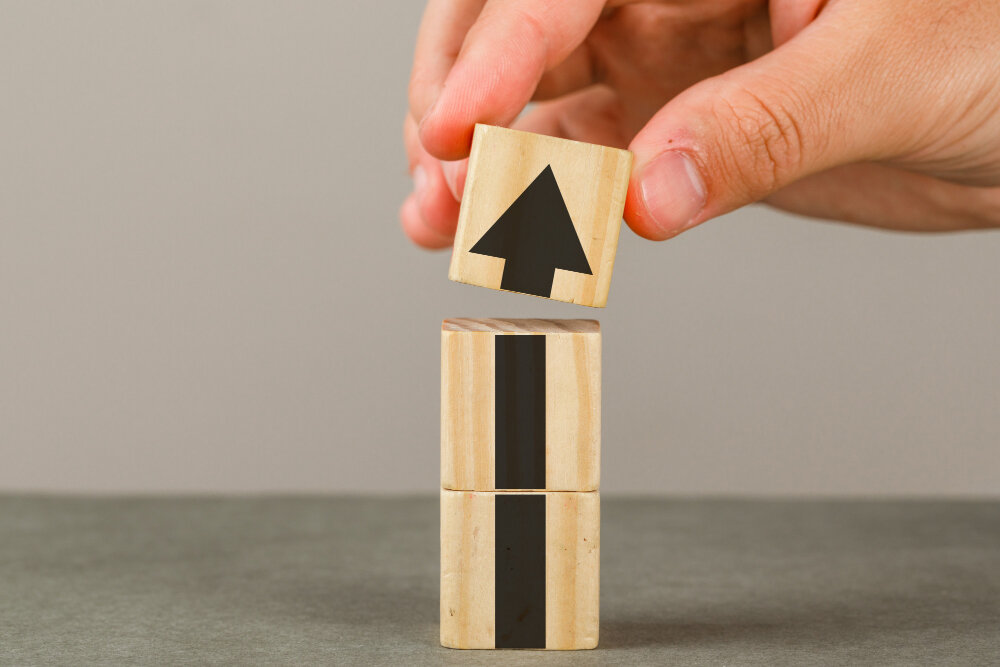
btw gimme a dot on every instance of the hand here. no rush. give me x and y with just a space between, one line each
878 112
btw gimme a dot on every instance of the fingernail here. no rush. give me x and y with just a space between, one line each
419 181
450 170
672 191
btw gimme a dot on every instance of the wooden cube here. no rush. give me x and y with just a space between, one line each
520 570
540 215
520 404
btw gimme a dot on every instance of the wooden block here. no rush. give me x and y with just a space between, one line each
540 215
520 404
520 570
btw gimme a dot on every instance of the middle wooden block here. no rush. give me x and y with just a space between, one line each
520 404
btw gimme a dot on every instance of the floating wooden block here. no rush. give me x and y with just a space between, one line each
520 570
520 404
540 215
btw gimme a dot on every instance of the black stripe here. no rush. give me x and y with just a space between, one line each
520 570
520 412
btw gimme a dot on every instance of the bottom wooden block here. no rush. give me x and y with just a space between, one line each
520 570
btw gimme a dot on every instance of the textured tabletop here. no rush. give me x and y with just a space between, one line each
354 582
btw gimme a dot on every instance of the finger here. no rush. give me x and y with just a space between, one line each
592 115
437 205
877 195
437 208
411 141
454 176
442 31
417 230
505 54
573 74
789 17
736 138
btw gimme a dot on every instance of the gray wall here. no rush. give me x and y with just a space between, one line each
203 287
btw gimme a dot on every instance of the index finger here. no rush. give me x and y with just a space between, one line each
442 32
506 51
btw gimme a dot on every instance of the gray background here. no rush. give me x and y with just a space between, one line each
203 287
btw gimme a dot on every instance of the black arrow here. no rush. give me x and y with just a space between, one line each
536 236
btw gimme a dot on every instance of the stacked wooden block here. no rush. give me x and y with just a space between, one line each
540 215
520 470
521 399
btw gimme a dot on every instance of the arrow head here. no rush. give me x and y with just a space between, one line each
536 236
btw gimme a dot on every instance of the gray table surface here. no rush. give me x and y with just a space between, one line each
354 581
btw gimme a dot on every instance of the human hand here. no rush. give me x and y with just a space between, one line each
879 112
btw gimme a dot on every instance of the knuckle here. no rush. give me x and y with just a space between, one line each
533 37
767 143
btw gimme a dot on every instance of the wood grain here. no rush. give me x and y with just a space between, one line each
592 179
521 325
572 402
467 411
572 573
467 559
573 412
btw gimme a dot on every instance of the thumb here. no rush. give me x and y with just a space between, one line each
734 139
